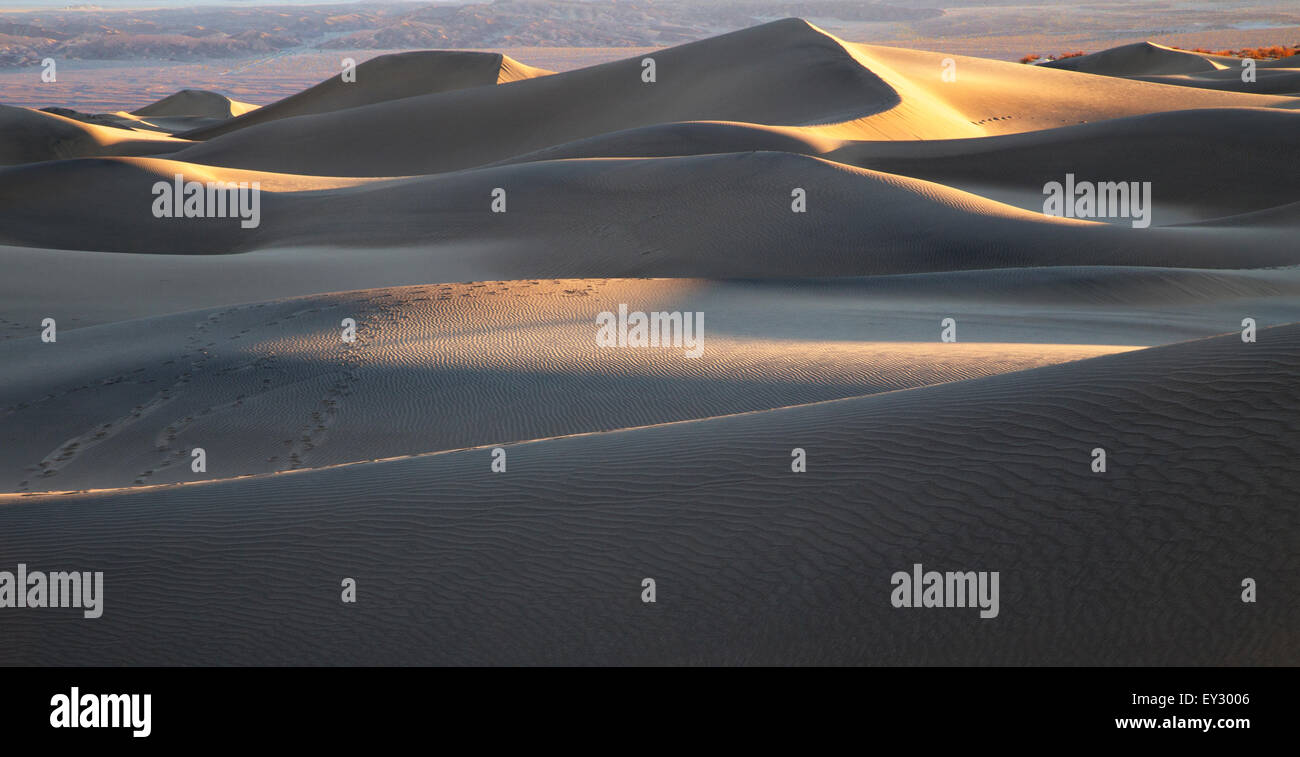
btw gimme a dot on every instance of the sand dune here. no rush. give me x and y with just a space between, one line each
1158 305
1236 160
186 110
786 73
387 77
493 362
1158 64
800 76
1268 81
810 94
543 564
825 205
689 138
1143 58
32 136
997 97
196 102
1238 146
583 218
120 119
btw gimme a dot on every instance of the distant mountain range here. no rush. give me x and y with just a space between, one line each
198 33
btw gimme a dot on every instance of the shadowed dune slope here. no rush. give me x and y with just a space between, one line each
543 564
386 77
710 215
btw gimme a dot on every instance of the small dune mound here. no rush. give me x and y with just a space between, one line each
1140 59
387 77
196 102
